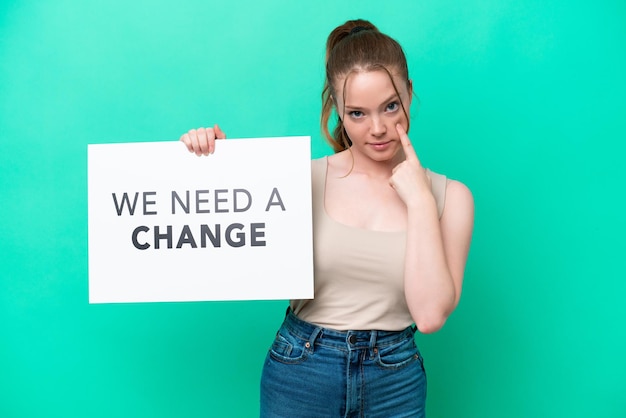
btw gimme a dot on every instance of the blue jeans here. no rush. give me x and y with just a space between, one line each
317 372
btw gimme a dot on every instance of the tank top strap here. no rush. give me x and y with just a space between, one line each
438 187
319 168
318 183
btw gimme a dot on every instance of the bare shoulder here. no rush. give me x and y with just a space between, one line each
458 191
339 164
339 159
459 203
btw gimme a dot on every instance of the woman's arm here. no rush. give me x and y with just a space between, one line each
436 253
436 249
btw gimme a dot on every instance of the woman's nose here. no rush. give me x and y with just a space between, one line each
378 127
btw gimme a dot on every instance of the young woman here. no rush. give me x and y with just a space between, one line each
391 240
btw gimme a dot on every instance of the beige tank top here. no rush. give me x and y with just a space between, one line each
359 273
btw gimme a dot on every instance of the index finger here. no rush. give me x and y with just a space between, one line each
409 151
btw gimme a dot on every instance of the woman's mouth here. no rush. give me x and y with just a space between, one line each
380 146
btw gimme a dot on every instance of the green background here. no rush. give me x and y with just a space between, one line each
524 101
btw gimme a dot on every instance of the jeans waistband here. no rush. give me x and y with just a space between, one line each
351 339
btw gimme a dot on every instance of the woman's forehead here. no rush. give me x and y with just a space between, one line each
369 86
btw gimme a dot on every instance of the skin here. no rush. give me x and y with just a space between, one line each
201 141
436 249
380 184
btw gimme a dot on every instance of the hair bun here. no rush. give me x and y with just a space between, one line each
358 29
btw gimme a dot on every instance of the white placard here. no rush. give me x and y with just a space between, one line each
166 225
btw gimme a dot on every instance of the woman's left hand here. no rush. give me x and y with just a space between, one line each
409 178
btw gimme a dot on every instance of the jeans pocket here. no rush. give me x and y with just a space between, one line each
398 355
289 349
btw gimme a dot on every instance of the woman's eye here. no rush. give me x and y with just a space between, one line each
393 106
356 113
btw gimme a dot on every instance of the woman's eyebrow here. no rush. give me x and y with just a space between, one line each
384 102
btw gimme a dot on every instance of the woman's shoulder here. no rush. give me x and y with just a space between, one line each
318 165
318 170
444 182
319 162
446 189
459 195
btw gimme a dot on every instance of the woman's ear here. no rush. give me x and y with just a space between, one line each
410 91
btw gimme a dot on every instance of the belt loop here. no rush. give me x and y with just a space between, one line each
317 332
373 335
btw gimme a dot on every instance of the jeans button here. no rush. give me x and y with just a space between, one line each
352 339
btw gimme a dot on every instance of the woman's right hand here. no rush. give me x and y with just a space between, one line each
201 141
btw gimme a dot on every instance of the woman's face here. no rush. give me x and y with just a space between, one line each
371 111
